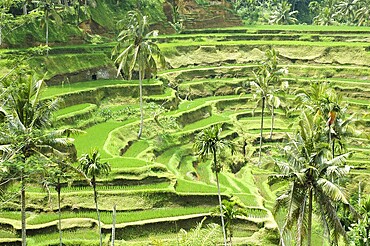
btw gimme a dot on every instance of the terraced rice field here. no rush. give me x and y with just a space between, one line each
157 182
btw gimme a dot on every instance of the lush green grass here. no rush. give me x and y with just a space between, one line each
72 109
88 85
136 148
187 186
125 162
95 137
83 237
122 217
154 186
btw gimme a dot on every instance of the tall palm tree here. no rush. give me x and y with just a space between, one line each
209 142
261 85
136 51
49 9
27 144
311 173
266 82
92 167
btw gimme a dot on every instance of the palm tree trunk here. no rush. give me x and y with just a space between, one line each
114 225
97 209
261 132
272 120
141 105
47 35
221 212
59 214
25 8
23 210
1 30
309 220
333 148
230 235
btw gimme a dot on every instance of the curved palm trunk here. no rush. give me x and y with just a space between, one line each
141 105
221 211
272 120
97 209
59 214
309 220
23 210
262 114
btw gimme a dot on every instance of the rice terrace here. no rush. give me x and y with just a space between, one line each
185 122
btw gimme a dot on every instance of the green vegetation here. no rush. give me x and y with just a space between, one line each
212 78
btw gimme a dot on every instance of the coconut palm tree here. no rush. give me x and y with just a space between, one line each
27 144
266 82
136 51
92 167
49 9
282 14
363 12
312 176
346 10
231 212
209 142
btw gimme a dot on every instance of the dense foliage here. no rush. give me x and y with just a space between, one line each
320 12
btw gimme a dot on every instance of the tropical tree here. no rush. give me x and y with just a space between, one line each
322 100
266 81
27 145
136 51
61 171
92 167
312 175
282 14
4 15
346 10
363 12
48 9
231 212
209 142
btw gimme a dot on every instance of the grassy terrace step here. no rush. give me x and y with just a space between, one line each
276 35
282 28
122 217
58 90
314 72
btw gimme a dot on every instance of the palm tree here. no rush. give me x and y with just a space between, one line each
49 9
27 145
346 9
209 142
265 84
312 173
261 85
136 51
231 212
92 167
363 12
282 14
